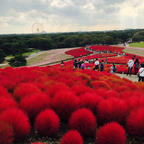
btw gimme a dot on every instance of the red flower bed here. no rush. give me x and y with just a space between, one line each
78 52
107 48
78 97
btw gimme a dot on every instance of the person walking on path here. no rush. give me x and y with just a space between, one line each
83 65
113 68
79 63
136 66
75 63
62 63
102 66
130 66
96 65
141 73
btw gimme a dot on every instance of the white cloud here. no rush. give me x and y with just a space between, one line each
18 16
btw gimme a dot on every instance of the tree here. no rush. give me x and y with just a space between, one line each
18 61
138 36
2 55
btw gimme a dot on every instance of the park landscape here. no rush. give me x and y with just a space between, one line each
44 102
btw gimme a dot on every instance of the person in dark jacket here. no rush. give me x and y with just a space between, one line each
75 63
62 63
79 63
102 66
136 66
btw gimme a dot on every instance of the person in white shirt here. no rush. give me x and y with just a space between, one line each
130 66
141 73
96 65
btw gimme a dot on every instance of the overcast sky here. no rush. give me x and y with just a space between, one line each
25 16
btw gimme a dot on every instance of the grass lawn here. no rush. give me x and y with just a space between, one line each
24 54
30 53
37 59
140 44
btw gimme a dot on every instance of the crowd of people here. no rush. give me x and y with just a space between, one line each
138 68
100 66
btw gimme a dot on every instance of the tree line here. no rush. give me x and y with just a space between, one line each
18 44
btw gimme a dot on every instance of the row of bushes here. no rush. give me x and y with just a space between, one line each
44 98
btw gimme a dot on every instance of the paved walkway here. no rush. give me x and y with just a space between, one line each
132 77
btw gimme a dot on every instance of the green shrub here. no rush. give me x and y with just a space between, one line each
18 61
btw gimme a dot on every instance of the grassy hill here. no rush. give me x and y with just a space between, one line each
139 44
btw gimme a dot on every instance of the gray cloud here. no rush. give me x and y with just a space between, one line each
69 13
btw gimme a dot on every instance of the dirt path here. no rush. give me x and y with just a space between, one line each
138 48
132 50
49 56
132 77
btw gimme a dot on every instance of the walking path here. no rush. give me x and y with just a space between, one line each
132 77
49 56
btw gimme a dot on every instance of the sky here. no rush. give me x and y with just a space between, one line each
32 16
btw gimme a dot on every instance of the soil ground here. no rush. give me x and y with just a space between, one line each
134 50
132 77
49 56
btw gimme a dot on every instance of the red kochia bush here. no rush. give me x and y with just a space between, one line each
84 121
112 109
101 84
6 103
4 92
55 88
8 84
39 143
25 89
18 120
72 137
135 122
64 103
35 103
111 133
90 100
47 123
81 89
6 133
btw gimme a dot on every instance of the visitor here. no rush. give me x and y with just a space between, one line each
136 66
83 65
130 66
141 73
75 63
96 65
102 66
62 63
106 60
113 68
86 61
79 63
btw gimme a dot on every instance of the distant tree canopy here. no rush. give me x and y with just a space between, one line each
138 36
18 44
17 61
2 55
